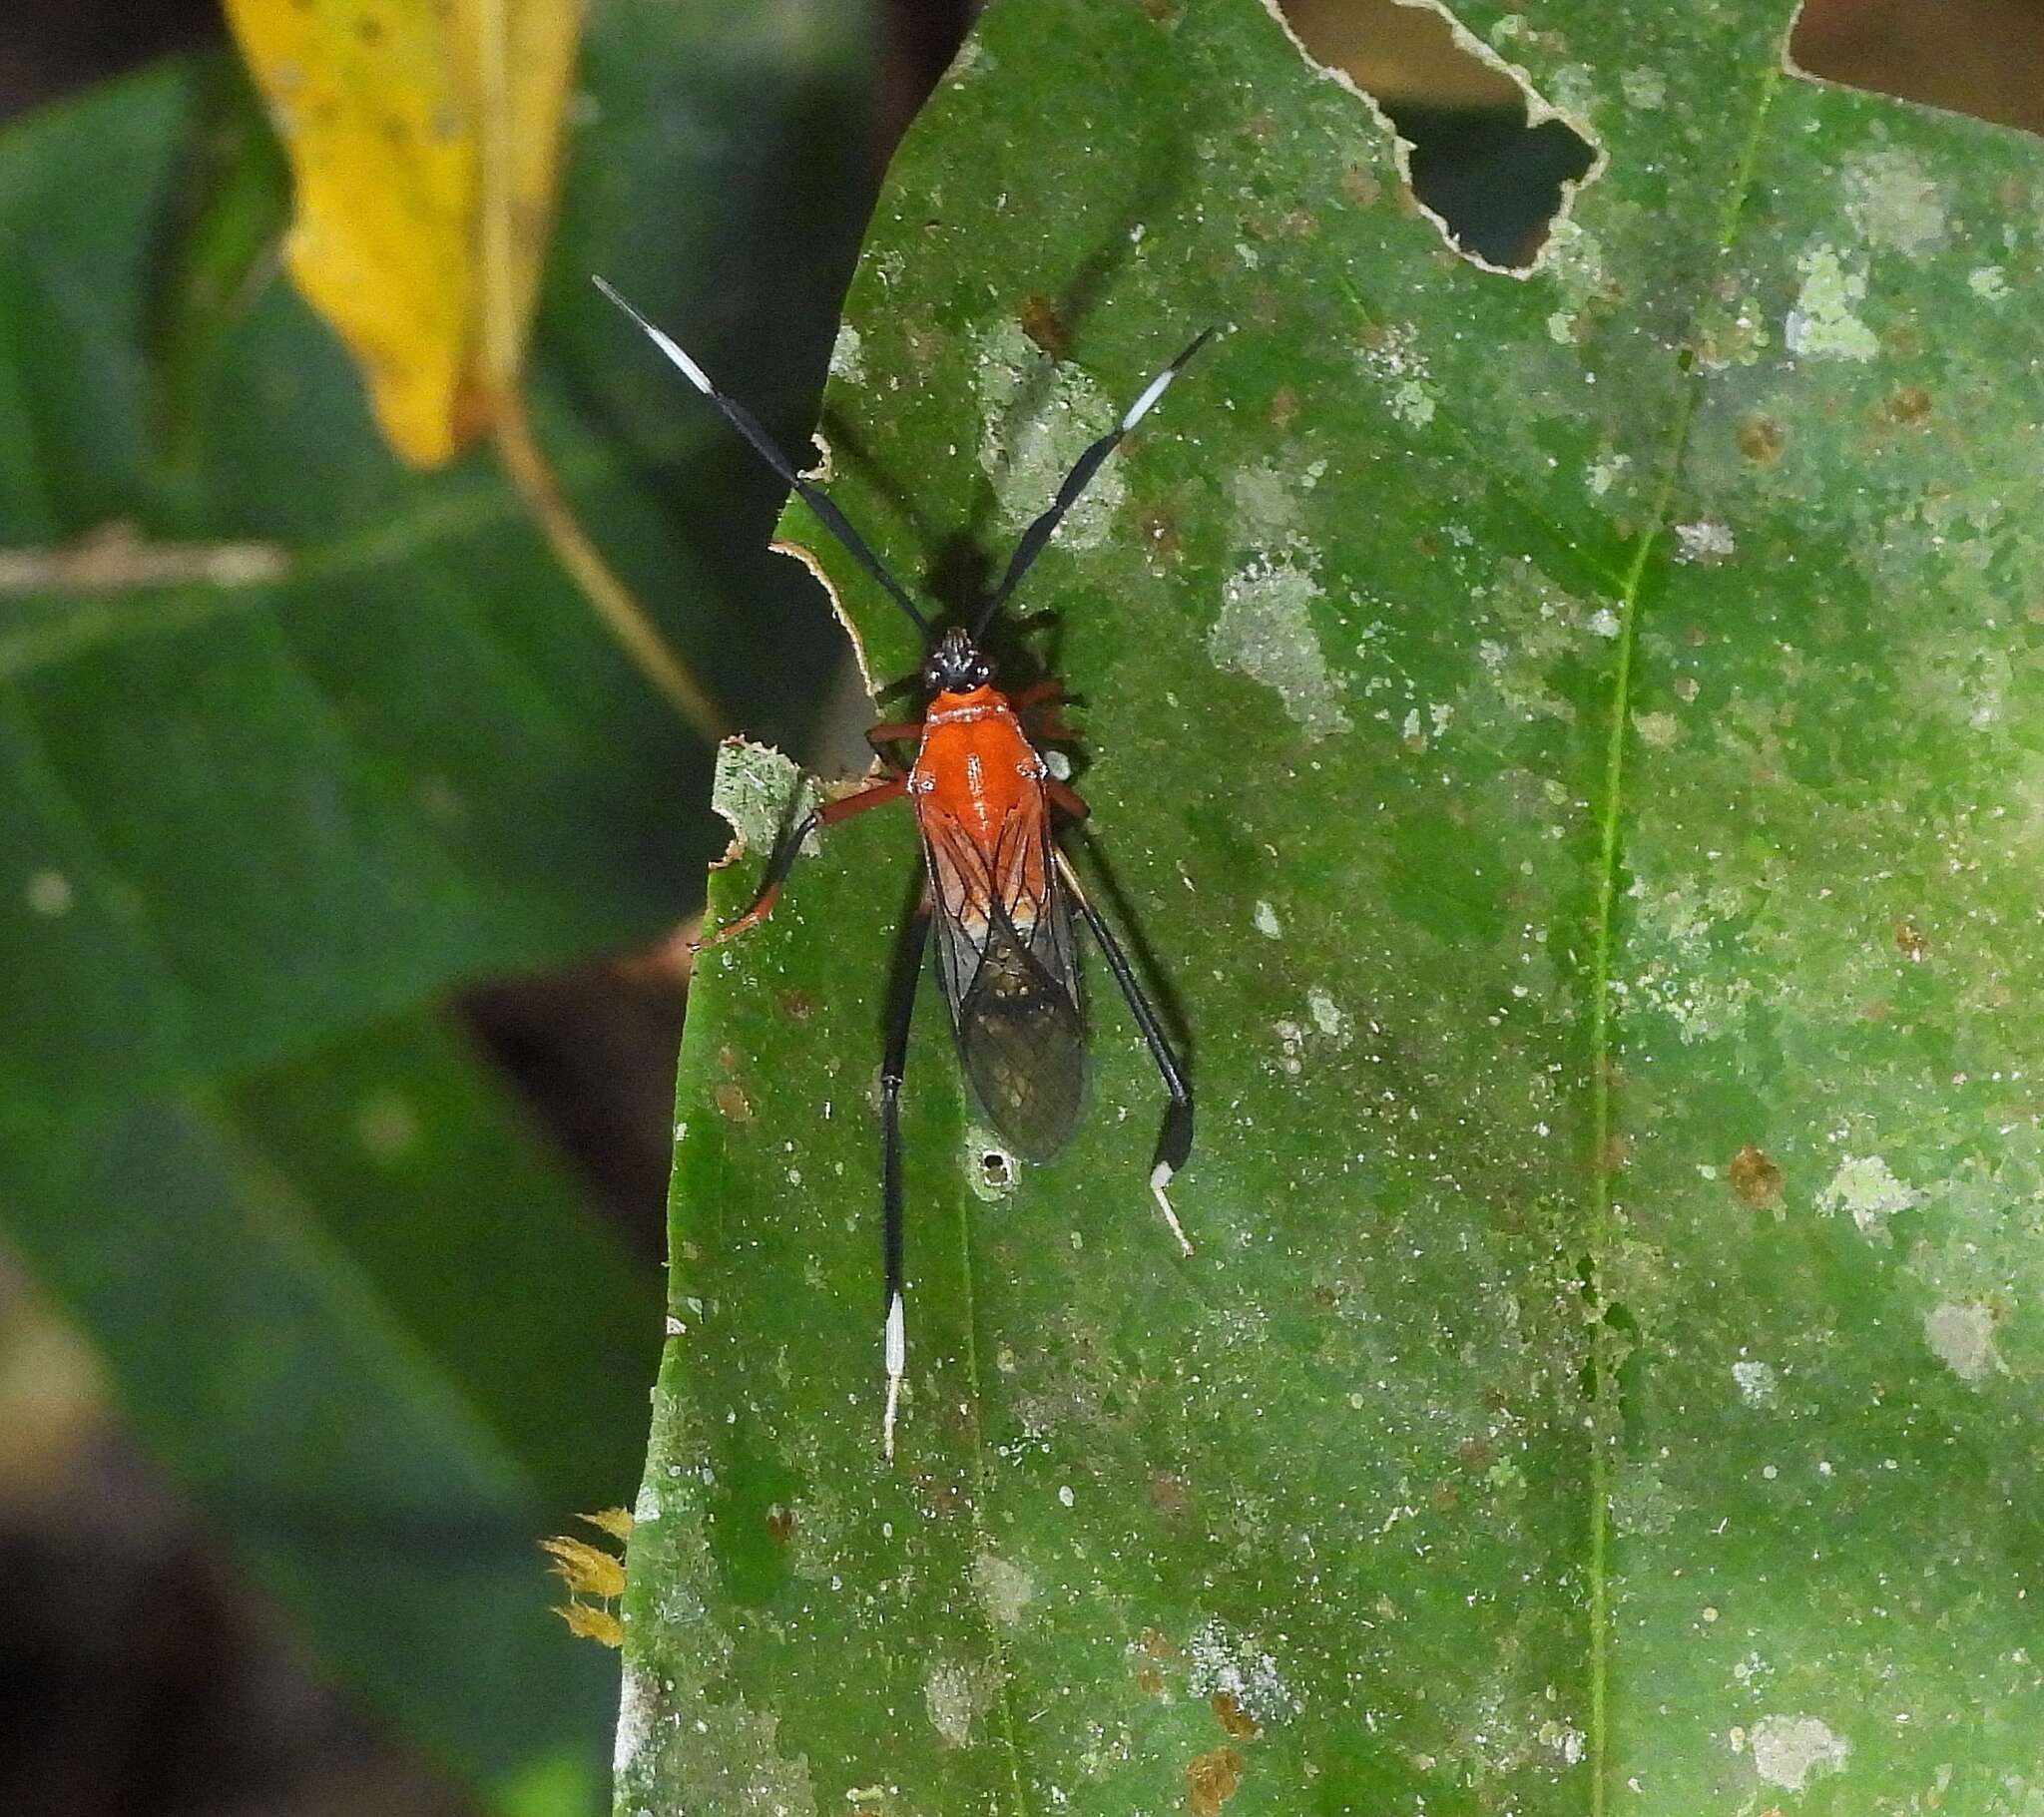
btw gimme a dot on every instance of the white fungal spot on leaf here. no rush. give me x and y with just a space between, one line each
1219 1659
1755 1383
1704 541
1786 1750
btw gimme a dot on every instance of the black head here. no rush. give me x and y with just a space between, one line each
956 663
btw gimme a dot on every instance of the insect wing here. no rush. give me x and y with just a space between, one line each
1006 962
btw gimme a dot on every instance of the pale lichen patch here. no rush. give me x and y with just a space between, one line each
1036 417
1328 1016
1866 1186
1961 1336
1659 729
1004 1587
1391 356
847 357
759 791
1988 283
1891 198
1823 323
1643 89
955 1697
1788 1750
1265 631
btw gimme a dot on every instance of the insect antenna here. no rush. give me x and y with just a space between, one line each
813 495
1076 482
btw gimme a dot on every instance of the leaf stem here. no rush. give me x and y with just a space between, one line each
502 341
608 597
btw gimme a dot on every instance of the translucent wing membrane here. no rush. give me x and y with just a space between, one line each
1009 972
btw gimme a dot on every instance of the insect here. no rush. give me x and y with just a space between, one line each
999 890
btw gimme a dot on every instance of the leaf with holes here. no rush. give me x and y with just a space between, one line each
1568 741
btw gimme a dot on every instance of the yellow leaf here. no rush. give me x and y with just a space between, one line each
424 141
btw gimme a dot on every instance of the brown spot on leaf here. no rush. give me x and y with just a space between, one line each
1361 186
1910 940
1618 1154
796 1006
1908 408
1284 408
1156 1643
1042 323
1161 533
1228 1712
727 1059
1211 1780
732 1102
1167 1494
1761 439
1149 1680
1474 1453
779 1524
1443 1496
1755 1178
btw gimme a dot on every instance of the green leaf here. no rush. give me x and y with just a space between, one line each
252 831
1565 742
381 1407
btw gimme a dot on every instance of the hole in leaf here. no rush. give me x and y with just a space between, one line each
1485 156
1979 57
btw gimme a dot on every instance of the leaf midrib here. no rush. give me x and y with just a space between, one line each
1602 1208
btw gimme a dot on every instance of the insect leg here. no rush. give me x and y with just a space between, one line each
880 736
895 1061
1175 1143
1065 799
790 849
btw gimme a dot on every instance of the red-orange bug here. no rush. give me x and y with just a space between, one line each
999 889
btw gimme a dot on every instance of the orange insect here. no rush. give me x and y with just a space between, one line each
999 889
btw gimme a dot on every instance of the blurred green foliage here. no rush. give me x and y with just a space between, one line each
253 831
